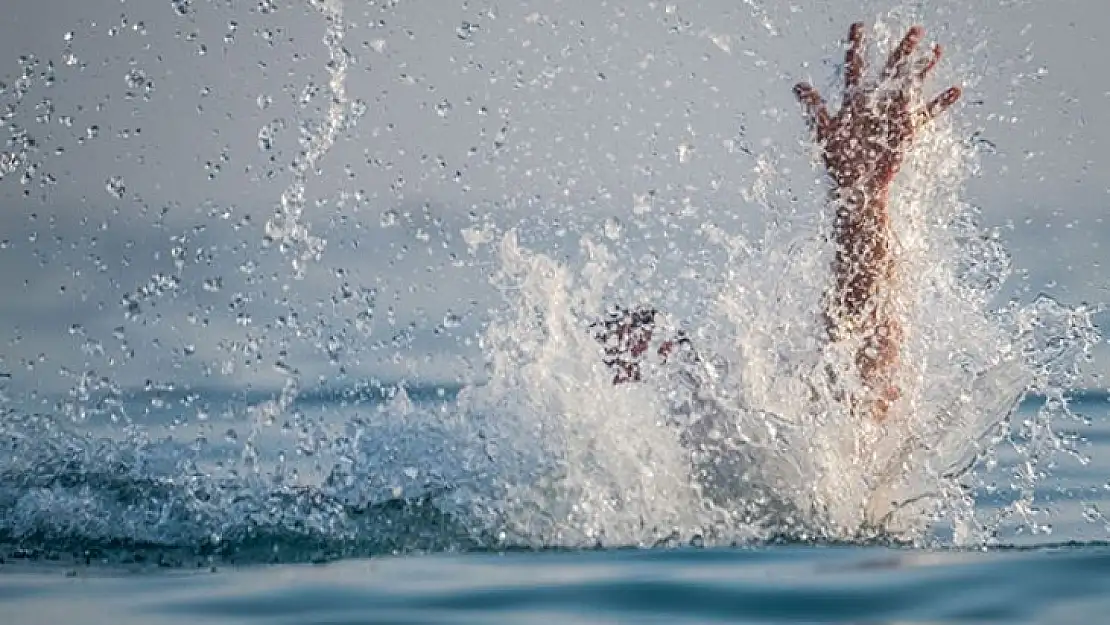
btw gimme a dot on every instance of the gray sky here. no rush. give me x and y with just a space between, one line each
159 189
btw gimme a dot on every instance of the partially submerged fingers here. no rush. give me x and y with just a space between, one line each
854 59
899 59
816 110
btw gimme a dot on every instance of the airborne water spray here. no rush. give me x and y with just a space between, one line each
287 226
550 453
593 463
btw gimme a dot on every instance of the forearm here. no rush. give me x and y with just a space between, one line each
863 146
862 306
864 263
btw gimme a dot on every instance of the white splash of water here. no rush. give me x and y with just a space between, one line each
579 461
754 439
287 225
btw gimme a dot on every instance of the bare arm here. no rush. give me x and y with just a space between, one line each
863 147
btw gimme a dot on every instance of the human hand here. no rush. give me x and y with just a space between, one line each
864 144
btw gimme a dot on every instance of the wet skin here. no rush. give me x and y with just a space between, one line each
862 147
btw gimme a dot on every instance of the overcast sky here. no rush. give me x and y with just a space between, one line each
133 226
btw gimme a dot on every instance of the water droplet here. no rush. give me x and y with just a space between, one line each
451 320
135 78
443 109
685 152
232 28
267 135
115 187
612 228
389 218
466 30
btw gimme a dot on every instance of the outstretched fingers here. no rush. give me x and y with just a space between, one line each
899 59
854 61
816 110
939 104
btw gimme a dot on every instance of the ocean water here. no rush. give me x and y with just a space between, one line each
407 562
250 430
782 584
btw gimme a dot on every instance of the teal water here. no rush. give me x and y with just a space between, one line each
785 584
409 561
551 496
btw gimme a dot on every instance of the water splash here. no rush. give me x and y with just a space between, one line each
287 225
746 444
753 441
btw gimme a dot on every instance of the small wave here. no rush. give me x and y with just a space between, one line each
65 496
